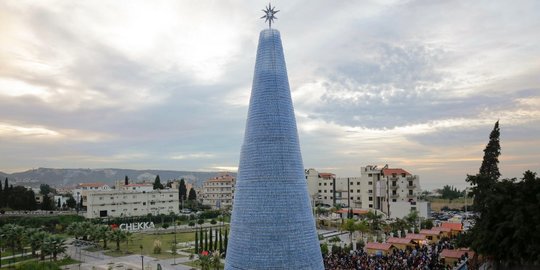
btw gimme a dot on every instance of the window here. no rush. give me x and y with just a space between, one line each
403 175
370 183
100 198
358 198
358 191
352 183
358 183
413 208
370 191
393 183
320 191
325 197
370 175
371 206
330 183
371 198
352 198
331 197
325 191
144 203
352 191
112 198
325 184
410 192
320 184
394 192
410 183
394 200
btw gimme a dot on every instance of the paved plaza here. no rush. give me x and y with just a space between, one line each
98 261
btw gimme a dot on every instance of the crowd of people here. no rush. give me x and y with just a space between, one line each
424 257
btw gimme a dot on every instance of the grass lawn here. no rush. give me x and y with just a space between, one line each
195 264
147 242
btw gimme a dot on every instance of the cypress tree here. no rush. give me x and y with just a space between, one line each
226 241
210 242
220 242
490 168
489 174
206 240
201 238
126 180
182 192
196 242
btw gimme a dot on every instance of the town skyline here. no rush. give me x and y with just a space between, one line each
414 85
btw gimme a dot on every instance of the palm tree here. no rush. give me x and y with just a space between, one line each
362 227
216 260
54 245
36 239
350 226
118 235
103 233
129 238
14 235
374 220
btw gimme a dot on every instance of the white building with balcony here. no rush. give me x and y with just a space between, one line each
129 203
218 192
375 188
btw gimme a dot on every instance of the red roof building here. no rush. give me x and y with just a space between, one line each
397 171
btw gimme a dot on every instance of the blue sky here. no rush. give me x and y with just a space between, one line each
165 84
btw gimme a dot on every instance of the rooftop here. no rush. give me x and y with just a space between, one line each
378 246
397 240
397 171
456 253
416 236
453 226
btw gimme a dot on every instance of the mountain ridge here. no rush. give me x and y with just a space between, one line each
72 176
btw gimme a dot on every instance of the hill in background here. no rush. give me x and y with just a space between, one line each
70 177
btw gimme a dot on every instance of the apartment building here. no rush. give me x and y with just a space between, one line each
218 192
128 203
80 192
375 188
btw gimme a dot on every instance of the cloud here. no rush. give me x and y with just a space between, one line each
166 85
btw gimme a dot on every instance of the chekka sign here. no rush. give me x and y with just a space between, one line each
138 226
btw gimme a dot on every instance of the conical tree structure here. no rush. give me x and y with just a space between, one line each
272 226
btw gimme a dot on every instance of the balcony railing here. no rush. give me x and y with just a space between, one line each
394 196
394 187
411 186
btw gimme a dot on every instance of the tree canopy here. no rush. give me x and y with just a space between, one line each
157 183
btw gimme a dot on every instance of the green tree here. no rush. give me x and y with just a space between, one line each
192 195
489 171
157 183
210 242
196 242
103 233
45 189
118 236
450 192
71 203
126 180
206 240
182 192
220 242
47 203
350 226
490 167
374 220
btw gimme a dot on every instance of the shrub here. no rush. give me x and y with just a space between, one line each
360 244
213 222
324 249
191 224
200 221
336 249
157 246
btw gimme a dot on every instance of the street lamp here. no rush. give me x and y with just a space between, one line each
142 258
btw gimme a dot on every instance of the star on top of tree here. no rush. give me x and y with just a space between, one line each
269 14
